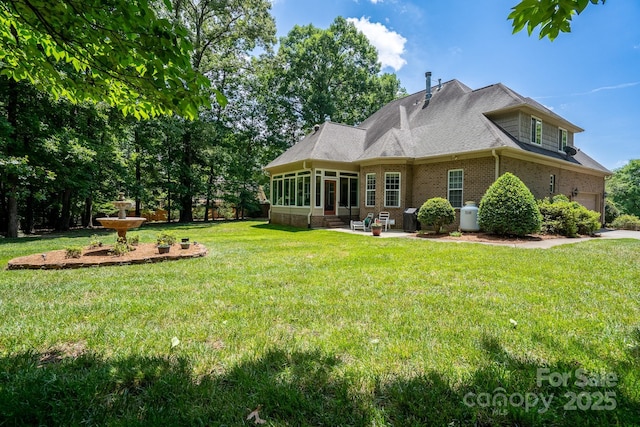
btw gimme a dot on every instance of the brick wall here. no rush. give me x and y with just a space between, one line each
289 219
537 176
431 180
406 190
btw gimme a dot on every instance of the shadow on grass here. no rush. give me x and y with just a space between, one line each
299 388
278 227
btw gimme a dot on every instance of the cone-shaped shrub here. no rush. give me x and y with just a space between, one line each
437 212
508 207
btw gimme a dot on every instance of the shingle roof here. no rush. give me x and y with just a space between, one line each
456 120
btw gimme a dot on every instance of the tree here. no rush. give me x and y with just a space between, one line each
116 51
330 74
552 16
222 33
624 188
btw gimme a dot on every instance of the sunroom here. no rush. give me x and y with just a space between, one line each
311 197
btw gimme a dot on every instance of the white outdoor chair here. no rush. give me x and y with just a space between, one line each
384 219
364 225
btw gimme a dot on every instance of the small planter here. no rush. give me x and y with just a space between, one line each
376 230
163 249
185 240
185 245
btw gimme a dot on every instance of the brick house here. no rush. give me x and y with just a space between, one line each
446 141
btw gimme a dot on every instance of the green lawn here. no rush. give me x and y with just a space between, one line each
323 328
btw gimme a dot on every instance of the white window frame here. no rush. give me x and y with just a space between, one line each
563 139
460 189
534 130
387 190
370 191
552 184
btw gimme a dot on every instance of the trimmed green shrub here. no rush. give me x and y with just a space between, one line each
611 211
627 222
508 207
437 212
588 221
560 216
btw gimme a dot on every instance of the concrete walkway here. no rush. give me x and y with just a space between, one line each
536 244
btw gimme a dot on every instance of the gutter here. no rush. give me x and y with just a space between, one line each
497 167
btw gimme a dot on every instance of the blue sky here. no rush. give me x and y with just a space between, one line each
590 76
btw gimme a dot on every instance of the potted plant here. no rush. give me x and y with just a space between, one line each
184 244
376 227
164 242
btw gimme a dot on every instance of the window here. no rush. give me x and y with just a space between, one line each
318 190
562 139
392 189
371 190
303 193
536 131
455 187
292 189
552 184
348 189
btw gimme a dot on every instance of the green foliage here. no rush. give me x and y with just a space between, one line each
587 221
165 238
552 16
120 247
509 208
133 60
611 211
623 188
436 212
73 252
227 211
329 74
133 239
95 242
560 216
627 222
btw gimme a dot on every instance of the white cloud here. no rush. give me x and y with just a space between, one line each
390 45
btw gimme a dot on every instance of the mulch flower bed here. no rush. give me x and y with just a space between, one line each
144 253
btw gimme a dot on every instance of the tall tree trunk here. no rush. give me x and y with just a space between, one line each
12 187
65 215
186 211
12 208
209 188
88 212
138 171
29 226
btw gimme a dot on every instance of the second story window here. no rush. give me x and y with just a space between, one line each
536 131
562 139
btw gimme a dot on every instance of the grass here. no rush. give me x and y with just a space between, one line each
322 328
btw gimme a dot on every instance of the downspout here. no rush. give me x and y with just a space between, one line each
312 185
497 167
270 196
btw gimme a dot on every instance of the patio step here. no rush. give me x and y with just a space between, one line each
334 222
